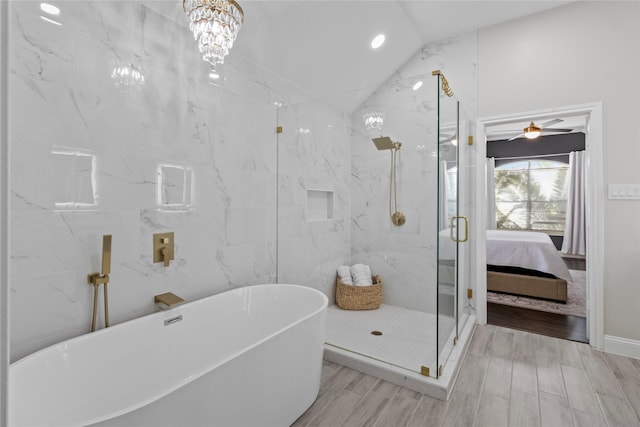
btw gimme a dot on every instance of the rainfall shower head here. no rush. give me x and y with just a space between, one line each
385 143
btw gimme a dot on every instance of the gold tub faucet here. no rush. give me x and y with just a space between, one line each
167 300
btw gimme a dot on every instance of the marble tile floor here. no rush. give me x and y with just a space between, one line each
508 378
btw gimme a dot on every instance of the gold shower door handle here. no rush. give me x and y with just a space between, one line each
466 228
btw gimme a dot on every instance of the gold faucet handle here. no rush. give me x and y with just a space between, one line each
165 256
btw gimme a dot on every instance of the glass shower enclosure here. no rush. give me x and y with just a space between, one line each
338 192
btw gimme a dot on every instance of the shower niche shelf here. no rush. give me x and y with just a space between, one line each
320 206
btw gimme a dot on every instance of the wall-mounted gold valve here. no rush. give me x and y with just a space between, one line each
163 248
398 218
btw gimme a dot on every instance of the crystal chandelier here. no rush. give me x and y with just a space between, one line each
215 25
373 120
128 76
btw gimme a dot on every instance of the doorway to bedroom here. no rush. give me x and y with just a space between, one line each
536 228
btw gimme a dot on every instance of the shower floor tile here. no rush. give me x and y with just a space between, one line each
408 337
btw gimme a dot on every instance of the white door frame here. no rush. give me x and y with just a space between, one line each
4 212
594 210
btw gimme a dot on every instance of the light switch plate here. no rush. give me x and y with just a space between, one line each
624 191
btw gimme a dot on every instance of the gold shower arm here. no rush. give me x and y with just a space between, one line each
445 83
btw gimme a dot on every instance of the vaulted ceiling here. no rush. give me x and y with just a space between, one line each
323 46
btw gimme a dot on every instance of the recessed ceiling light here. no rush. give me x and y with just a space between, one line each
418 85
50 9
50 20
377 41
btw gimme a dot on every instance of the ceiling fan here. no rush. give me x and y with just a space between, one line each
533 131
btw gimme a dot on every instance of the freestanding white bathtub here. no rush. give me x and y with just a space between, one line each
246 357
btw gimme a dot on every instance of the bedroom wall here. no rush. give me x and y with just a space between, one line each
579 53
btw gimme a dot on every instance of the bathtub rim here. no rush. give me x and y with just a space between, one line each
198 373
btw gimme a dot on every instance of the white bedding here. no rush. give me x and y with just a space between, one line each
525 249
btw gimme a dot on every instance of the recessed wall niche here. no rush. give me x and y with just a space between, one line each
320 205
73 179
174 187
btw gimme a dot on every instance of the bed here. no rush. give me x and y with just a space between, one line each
525 263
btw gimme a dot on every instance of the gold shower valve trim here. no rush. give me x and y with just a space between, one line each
398 218
163 248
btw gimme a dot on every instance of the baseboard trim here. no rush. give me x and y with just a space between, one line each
622 346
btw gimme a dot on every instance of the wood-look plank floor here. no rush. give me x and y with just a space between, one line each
508 378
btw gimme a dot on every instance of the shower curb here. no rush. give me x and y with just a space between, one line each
440 388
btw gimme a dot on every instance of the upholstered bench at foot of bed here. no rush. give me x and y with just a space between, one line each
531 286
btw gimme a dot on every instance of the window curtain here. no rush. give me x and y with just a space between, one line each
491 193
575 230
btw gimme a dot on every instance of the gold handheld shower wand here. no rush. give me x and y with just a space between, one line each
101 278
385 143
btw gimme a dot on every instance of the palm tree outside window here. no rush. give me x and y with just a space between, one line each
531 195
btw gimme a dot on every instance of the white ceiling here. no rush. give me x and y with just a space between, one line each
323 46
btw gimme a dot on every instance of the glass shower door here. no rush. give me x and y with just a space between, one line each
339 186
449 221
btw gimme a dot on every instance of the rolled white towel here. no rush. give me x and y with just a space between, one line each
344 272
367 271
360 275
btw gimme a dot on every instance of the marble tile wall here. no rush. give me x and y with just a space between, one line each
405 257
314 154
92 156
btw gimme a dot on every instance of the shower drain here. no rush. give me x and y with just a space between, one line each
377 333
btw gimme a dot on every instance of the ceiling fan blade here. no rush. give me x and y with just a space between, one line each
555 130
504 132
551 122
516 137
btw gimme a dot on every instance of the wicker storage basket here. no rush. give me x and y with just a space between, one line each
359 297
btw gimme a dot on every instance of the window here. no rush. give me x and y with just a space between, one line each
531 195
